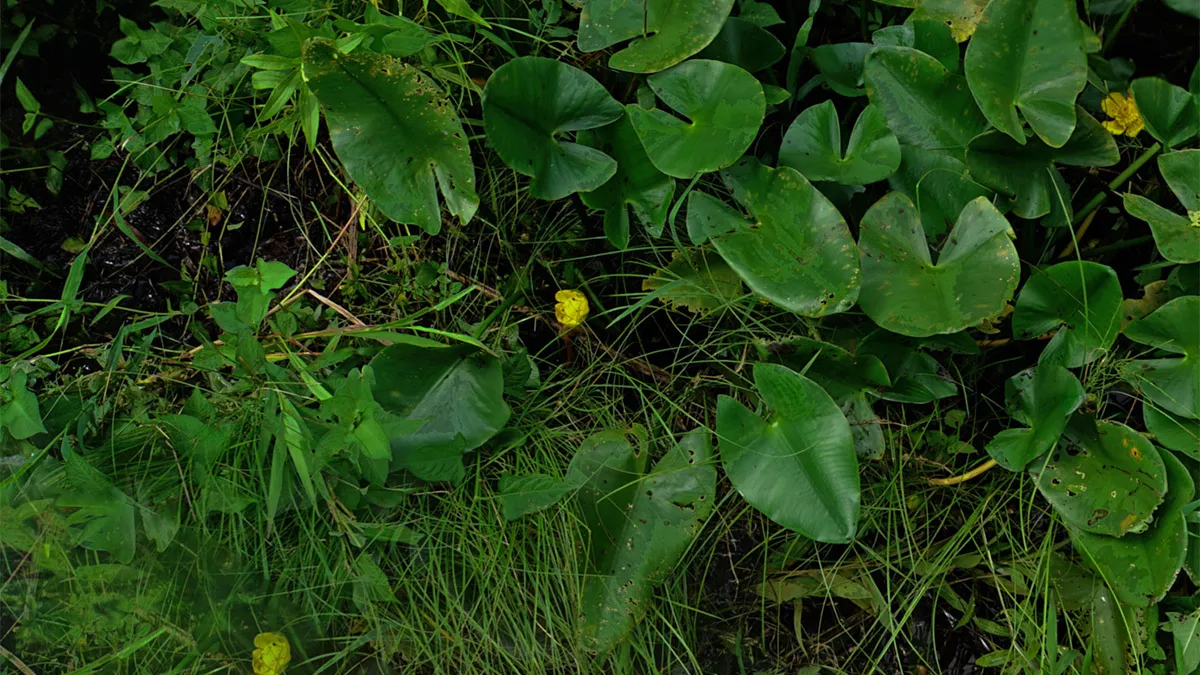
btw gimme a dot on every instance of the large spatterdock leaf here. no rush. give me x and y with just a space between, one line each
1026 173
1081 300
961 15
725 106
396 133
666 31
458 392
813 146
528 104
795 249
925 105
1172 384
1045 401
1103 478
1171 114
841 65
798 467
1028 55
637 183
905 292
1177 236
639 524
1142 567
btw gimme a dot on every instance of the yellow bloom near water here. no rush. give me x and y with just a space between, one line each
571 308
1124 113
271 654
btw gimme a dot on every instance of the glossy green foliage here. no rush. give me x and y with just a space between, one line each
744 44
1177 236
396 133
528 104
1181 434
724 105
637 183
1173 384
640 523
798 466
841 66
813 146
915 374
522 495
1082 300
1028 55
938 184
458 393
1171 114
795 250
665 32
905 292
932 37
840 373
1044 402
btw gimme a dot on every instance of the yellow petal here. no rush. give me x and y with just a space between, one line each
1134 127
1114 127
1111 105
272 654
572 308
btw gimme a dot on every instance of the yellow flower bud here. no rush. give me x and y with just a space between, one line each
271 655
571 308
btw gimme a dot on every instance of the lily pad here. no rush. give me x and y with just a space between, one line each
725 105
1171 114
1028 55
528 103
925 105
640 524
745 45
1172 384
799 468
667 31
395 132
1025 173
813 146
1103 478
1081 300
636 183
1142 567
795 250
457 391
1046 403
1176 236
905 292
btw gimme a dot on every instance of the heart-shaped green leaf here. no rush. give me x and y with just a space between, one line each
640 524
840 373
799 468
745 45
1172 384
1171 431
841 65
1103 478
1028 55
1171 114
1082 300
939 186
459 393
1026 174
813 146
668 31
725 105
925 104
395 132
796 249
1177 237
527 104
905 292
636 183
1142 567
1046 403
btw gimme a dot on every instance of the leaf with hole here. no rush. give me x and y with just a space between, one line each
1176 236
905 292
1080 300
637 183
725 106
528 104
798 467
640 524
665 32
1046 405
396 133
1172 384
795 250
1103 478
1028 55
813 146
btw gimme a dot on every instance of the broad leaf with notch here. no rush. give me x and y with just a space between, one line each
1081 300
813 146
637 183
666 31
1173 384
1177 237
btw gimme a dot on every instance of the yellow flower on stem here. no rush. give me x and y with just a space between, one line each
571 308
1124 113
271 655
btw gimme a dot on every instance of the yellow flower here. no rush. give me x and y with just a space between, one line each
271 655
1194 218
1124 113
571 309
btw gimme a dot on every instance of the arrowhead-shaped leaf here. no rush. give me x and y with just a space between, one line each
813 146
